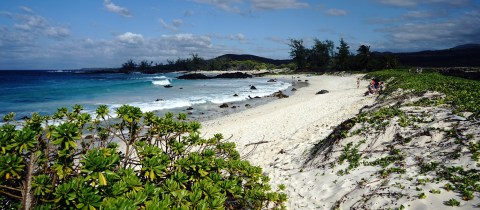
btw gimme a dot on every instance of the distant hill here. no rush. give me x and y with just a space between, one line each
467 55
245 57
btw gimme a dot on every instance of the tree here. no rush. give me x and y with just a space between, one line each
144 65
343 55
128 67
298 53
364 56
321 53
73 161
389 61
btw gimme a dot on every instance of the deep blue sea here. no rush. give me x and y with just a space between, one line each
25 92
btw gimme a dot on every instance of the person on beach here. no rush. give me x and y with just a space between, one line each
370 88
358 82
381 86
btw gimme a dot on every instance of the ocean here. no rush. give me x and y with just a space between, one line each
26 92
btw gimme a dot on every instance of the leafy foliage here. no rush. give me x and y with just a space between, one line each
135 161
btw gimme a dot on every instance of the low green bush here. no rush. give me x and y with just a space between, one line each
134 161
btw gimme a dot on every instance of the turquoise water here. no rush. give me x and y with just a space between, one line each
26 92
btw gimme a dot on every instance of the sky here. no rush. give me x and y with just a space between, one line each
60 34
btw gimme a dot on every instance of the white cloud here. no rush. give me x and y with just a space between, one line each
36 27
26 9
58 32
336 12
278 4
226 5
238 37
172 27
441 33
177 22
110 6
412 3
245 7
131 38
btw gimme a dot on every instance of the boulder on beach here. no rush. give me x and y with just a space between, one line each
294 89
235 95
224 105
253 87
233 107
280 94
322 92
194 76
248 105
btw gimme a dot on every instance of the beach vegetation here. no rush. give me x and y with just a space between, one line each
422 195
462 94
351 154
452 202
137 160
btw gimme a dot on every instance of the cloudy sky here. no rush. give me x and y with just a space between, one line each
59 34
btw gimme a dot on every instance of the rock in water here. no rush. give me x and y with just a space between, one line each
253 87
190 108
224 105
194 76
272 80
236 75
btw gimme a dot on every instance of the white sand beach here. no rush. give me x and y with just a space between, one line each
289 127
278 136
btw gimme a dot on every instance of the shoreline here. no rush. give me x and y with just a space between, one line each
210 111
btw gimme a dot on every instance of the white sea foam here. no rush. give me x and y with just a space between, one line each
161 82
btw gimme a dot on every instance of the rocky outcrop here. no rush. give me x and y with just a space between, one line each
194 76
236 75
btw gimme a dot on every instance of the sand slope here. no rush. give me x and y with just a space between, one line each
277 136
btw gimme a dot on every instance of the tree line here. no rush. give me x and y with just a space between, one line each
323 57
194 63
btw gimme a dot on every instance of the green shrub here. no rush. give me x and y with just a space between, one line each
462 94
69 161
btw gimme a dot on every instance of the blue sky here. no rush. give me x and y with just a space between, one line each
59 34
